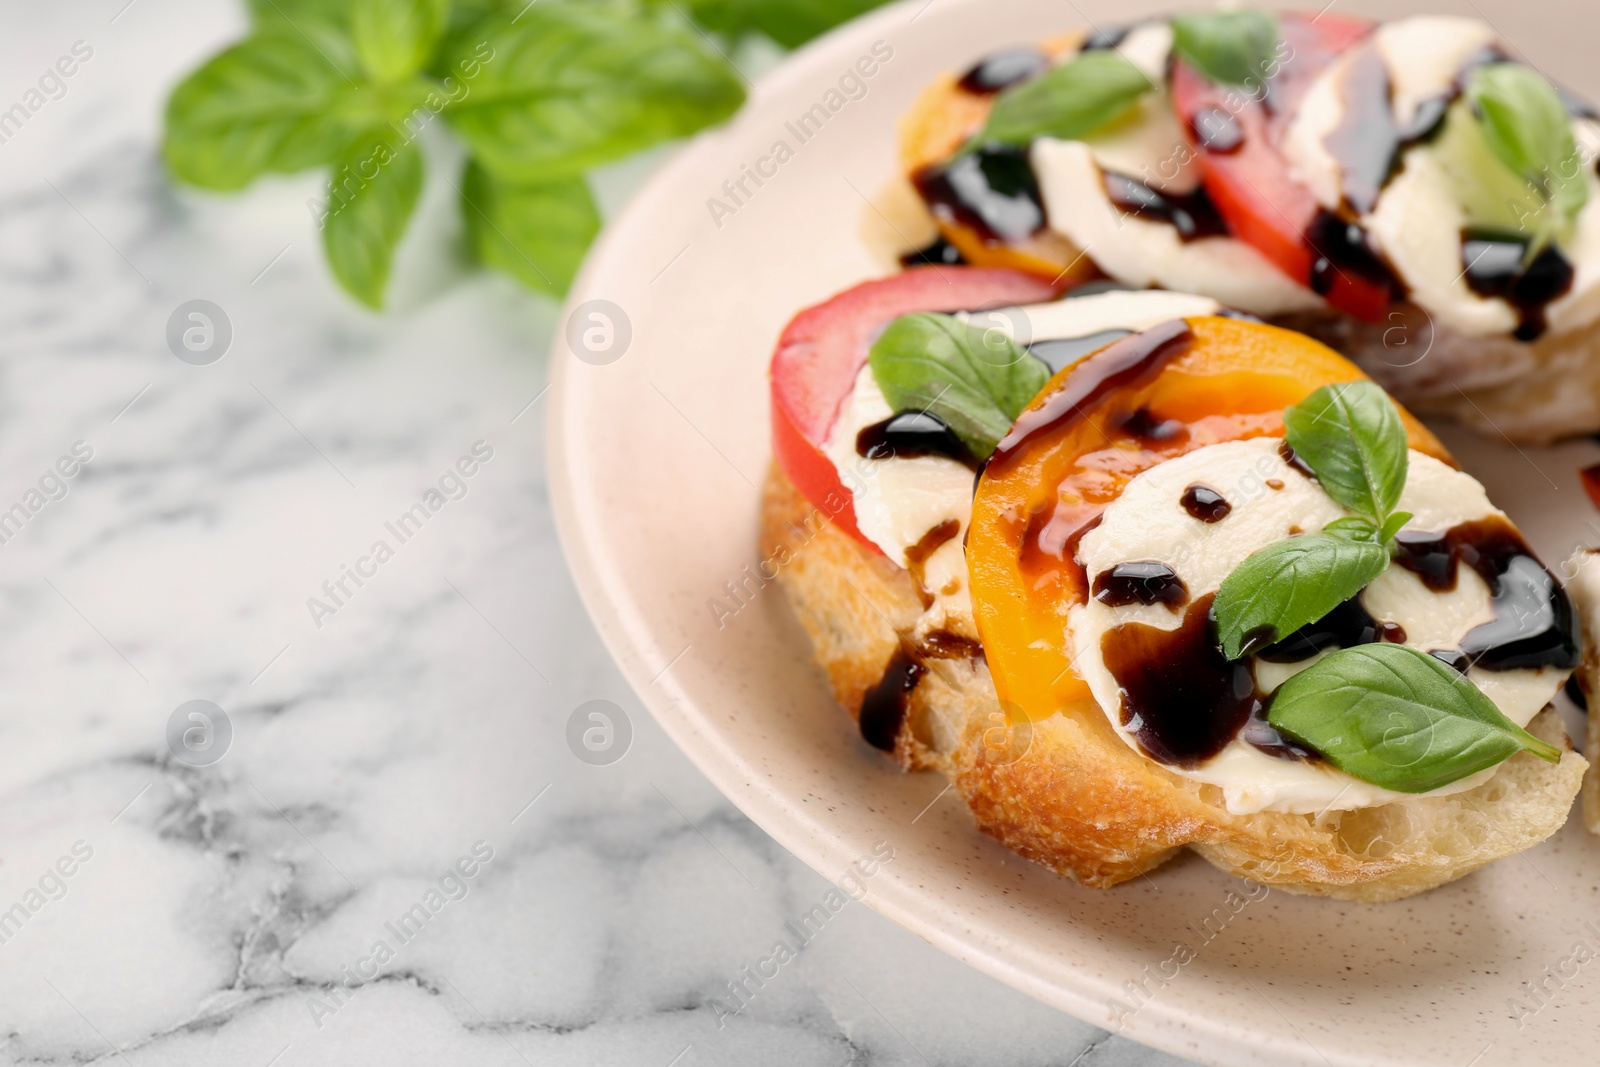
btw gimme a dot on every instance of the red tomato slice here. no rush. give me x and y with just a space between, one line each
823 348
1251 184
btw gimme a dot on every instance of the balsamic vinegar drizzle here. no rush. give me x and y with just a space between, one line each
1493 264
1183 701
1205 503
1004 69
991 189
911 434
1534 623
1119 365
1142 582
884 705
1340 247
1061 352
1193 215
939 253
883 708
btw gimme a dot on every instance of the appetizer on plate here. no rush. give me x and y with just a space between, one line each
1408 192
1140 572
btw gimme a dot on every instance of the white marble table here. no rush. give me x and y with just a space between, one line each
294 894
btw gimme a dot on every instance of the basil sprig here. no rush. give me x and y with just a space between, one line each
1091 90
539 93
1398 718
1351 437
976 379
1229 47
1526 127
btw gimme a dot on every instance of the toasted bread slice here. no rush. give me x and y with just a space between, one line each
1069 794
1584 585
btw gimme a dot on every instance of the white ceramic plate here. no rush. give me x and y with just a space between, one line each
656 459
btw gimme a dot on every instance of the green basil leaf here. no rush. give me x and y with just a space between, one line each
976 380
274 103
1068 100
537 233
1393 525
1527 128
1289 584
282 14
373 191
1351 436
1353 528
1229 47
789 22
395 38
1398 718
567 87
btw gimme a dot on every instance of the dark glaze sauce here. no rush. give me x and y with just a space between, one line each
1004 69
1181 699
883 708
1493 265
1575 693
1205 503
991 189
1066 350
1340 247
1141 582
1345 626
1105 37
917 555
1294 462
1147 426
1119 365
940 253
1193 215
911 434
1366 143
1534 624
1217 131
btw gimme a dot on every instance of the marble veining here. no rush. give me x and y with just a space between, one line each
232 912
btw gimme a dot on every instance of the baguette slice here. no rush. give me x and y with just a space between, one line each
1069 794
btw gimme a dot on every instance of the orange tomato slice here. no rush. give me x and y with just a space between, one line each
1098 424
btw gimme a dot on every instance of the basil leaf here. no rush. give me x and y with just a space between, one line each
374 189
1526 126
789 22
1068 100
976 380
1351 436
274 103
394 38
569 87
537 233
1398 718
1353 528
1229 47
1287 585
1393 525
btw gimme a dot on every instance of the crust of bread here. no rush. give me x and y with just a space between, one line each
1583 584
1069 794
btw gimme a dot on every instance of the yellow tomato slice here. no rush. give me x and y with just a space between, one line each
1229 380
